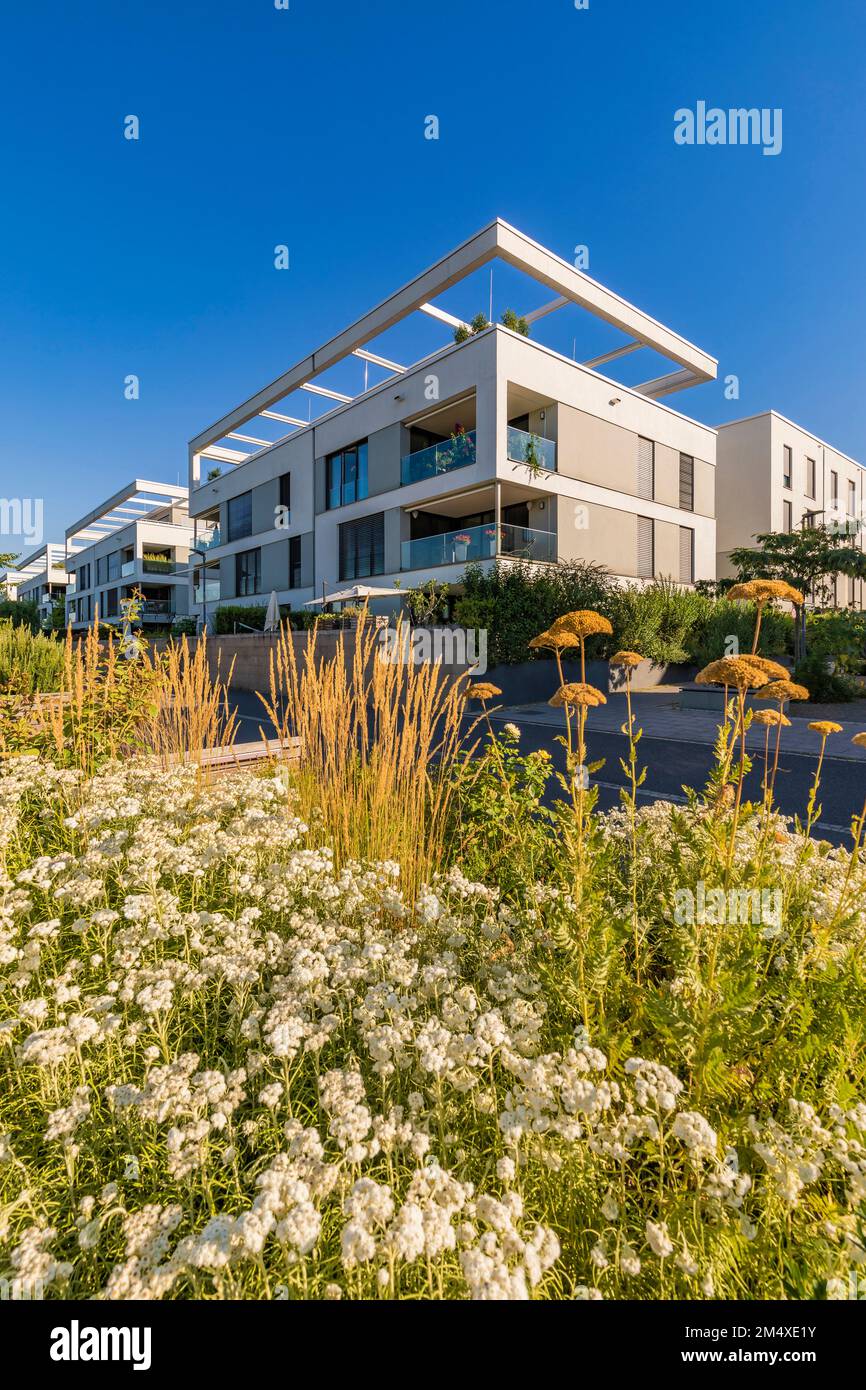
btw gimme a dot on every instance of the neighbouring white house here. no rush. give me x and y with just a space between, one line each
42 576
136 540
495 447
774 475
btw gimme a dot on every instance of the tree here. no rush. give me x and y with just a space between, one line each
6 561
809 559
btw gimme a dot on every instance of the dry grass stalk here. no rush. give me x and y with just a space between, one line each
192 713
379 735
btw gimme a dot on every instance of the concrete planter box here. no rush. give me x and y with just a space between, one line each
648 675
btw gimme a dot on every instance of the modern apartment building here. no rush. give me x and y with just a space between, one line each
774 475
492 448
138 539
42 576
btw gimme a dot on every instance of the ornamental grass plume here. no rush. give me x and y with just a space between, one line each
380 739
761 592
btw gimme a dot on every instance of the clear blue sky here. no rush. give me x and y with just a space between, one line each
305 127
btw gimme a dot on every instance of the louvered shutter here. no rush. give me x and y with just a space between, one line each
645 547
687 555
687 483
646 469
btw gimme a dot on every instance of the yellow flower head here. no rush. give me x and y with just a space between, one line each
731 670
825 727
553 641
783 690
761 591
626 659
583 623
860 740
578 693
482 690
772 670
771 719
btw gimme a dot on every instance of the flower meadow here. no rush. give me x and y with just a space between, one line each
235 1069
402 1022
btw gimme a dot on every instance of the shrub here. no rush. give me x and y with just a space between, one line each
724 620
515 601
251 615
20 613
838 634
824 686
658 621
29 661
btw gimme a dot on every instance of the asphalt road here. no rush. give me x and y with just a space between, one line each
672 765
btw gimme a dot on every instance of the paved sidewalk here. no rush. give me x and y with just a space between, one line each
657 713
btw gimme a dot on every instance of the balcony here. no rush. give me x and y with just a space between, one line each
458 452
157 608
479 543
211 592
208 540
155 564
127 569
531 449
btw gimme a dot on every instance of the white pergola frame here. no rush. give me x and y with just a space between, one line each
498 241
137 501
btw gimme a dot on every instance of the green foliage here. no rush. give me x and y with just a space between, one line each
184 627
517 323
724 620
20 613
477 325
658 621
823 685
809 559
514 602
428 602
839 634
29 661
251 615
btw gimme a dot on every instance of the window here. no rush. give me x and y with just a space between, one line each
102 569
645 547
84 578
687 555
114 565
687 483
286 498
851 592
362 547
787 465
646 469
811 478
294 562
346 475
248 572
834 487
239 517
787 518
111 609
852 498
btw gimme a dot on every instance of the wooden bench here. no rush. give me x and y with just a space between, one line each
238 755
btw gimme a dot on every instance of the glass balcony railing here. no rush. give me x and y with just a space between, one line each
156 608
531 449
127 569
211 592
439 458
479 543
207 540
158 566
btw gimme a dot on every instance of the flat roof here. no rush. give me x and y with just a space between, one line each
497 241
764 414
140 500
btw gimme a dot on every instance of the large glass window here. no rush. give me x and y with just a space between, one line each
101 569
240 516
114 565
362 547
248 572
811 478
787 464
346 475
